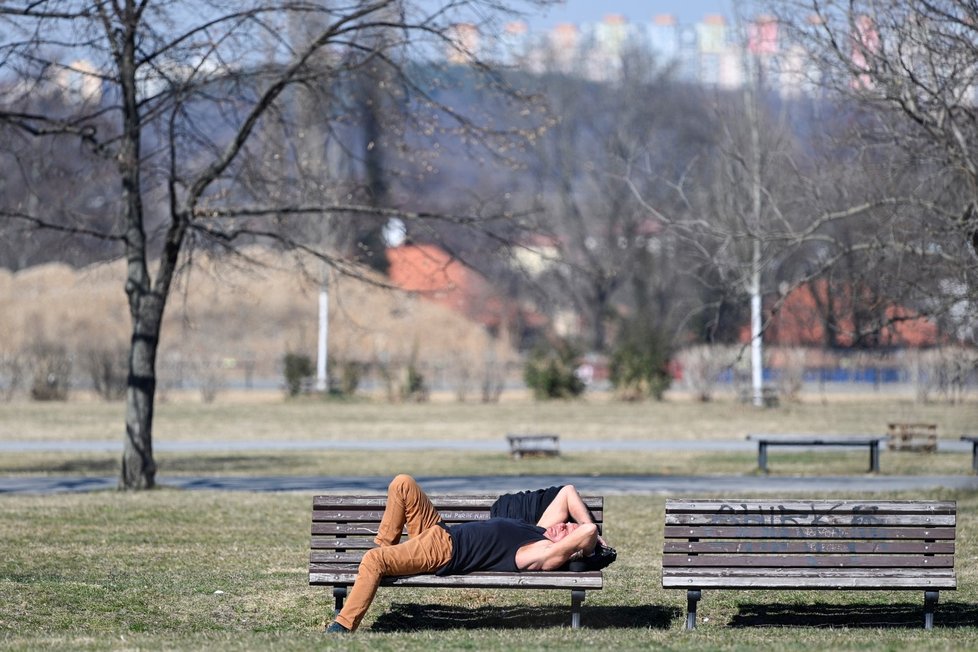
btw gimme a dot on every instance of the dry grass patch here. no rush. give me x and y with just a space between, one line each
595 418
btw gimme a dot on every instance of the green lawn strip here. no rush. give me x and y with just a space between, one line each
211 570
781 462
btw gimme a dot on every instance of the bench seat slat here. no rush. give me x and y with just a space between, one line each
816 547
804 507
809 572
547 580
842 582
866 519
810 561
794 532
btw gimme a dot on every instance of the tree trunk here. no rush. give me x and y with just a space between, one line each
138 466
145 304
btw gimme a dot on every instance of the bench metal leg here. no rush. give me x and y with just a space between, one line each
874 457
692 597
974 456
930 602
577 598
339 595
762 456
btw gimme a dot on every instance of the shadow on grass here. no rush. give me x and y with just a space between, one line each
197 464
427 617
203 464
100 466
901 614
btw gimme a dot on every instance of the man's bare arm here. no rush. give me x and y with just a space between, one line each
566 505
549 555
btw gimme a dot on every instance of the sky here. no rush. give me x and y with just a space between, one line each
636 11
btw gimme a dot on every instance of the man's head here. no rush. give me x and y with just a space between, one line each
559 531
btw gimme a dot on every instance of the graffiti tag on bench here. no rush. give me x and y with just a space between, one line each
838 514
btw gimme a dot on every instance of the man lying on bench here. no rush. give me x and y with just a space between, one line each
564 532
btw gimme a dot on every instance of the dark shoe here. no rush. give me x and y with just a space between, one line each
336 628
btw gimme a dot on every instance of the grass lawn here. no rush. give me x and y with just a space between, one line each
227 571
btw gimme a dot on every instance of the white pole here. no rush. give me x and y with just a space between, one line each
756 333
321 382
756 322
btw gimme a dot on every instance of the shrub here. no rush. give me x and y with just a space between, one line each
210 378
550 372
297 369
639 365
52 373
701 367
350 375
414 387
12 372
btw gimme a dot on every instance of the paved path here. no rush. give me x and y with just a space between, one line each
568 445
604 484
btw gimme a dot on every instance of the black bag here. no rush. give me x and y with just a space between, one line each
603 556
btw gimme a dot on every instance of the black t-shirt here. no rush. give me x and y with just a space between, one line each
526 506
489 545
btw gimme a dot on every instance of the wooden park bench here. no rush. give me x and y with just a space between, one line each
809 544
535 444
917 437
870 441
769 396
343 529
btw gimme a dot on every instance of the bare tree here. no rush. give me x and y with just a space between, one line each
187 89
611 259
911 68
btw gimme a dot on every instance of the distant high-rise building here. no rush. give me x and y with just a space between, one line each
865 45
514 43
663 38
708 52
688 59
565 43
711 36
465 41
611 37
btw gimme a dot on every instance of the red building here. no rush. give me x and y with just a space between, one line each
811 315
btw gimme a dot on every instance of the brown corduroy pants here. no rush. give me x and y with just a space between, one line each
427 548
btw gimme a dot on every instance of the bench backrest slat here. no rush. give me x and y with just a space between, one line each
819 519
477 502
778 532
809 506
